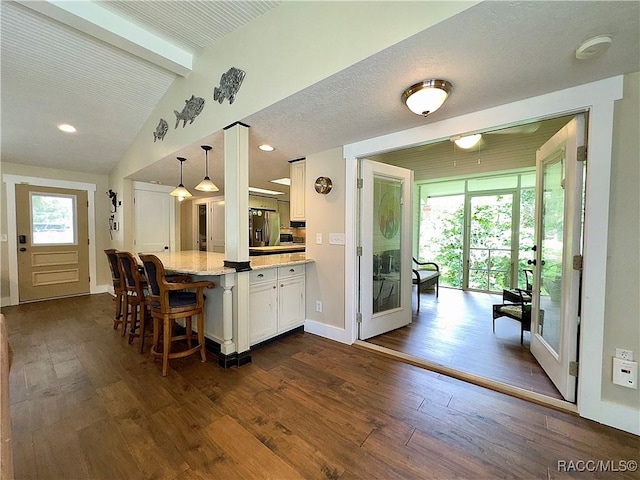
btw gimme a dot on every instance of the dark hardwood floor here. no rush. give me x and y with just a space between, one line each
455 330
86 405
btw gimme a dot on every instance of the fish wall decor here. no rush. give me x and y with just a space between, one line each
229 85
192 108
161 130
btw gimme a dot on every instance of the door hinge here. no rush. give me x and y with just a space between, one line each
360 183
358 317
359 251
577 262
573 369
582 153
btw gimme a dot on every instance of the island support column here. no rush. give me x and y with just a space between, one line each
236 197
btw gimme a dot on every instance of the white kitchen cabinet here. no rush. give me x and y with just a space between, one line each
276 301
256 201
296 191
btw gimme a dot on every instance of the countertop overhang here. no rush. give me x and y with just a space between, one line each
194 262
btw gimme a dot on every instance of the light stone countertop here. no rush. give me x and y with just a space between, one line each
193 262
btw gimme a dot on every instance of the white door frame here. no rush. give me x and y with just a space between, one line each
11 181
597 97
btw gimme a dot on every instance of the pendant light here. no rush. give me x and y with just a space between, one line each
180 191
206 185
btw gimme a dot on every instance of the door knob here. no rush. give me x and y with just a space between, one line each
23 249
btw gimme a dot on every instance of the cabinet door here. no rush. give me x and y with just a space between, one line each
263 202
291 308
296 192
263 311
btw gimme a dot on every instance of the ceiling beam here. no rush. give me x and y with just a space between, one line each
96 21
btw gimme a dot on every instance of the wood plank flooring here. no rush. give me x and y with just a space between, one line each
86 405
455 330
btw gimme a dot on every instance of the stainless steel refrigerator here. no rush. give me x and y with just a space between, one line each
264 227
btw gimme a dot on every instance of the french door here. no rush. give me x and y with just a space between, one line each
385 238
558 240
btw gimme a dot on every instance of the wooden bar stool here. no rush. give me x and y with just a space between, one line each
136 306
168 302
118 285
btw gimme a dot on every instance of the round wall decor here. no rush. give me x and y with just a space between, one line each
323 185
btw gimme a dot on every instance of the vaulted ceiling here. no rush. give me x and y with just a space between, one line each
493 53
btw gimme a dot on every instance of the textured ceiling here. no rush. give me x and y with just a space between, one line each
493 53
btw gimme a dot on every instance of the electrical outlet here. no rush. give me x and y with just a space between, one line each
318 306
624 354
625 373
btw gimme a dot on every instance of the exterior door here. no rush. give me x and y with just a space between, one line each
53 242
555 299
152 217
385 237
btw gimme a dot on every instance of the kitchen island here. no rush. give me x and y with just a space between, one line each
236 323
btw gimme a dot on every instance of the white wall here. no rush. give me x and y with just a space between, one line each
325 214
622 298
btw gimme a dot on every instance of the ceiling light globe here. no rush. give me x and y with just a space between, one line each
468 141
426 97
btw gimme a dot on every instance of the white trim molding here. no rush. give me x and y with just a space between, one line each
598 98
11 181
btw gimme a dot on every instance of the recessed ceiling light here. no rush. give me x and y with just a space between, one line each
65 127
282 181
266 148
265 191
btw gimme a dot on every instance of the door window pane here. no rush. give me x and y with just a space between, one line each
387 236
441 236
53 219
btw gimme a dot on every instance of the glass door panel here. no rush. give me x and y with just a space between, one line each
490 240
387 267
552 233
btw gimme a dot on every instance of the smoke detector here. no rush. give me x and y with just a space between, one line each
593 47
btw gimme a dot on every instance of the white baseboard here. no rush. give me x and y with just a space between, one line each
103 289
617 416
5 301
327 331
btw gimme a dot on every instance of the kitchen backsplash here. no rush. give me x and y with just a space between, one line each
299 234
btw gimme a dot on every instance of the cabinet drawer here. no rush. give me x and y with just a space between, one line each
264 275
290 271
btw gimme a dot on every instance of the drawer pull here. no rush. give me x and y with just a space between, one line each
292 270
260 275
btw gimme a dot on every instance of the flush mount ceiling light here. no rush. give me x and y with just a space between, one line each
180 191
593 47
206 185
266 148
65 127
427 96
466 141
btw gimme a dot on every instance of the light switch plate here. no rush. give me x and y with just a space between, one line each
319 238
336 239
